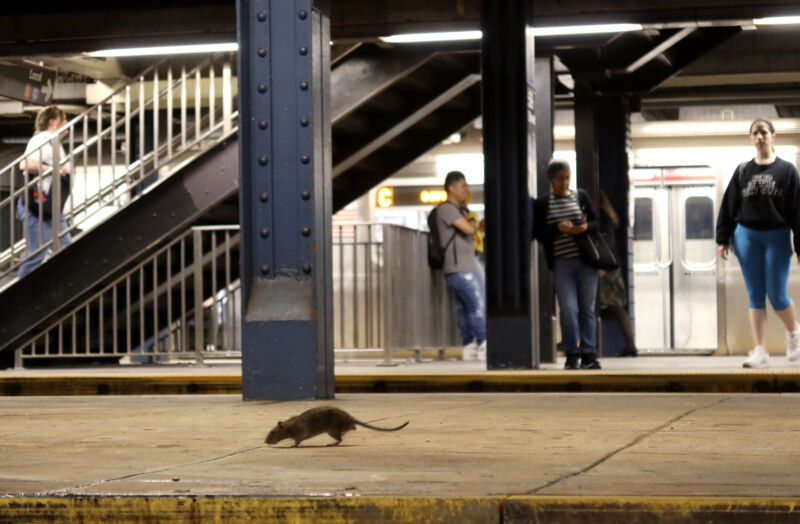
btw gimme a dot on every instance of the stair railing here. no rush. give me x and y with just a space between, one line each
182 301
116 149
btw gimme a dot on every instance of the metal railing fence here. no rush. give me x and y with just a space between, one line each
419 309
357 286
184 301
114 150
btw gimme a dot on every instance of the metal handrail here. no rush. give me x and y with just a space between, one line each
128 176
184 301
138 326
172 305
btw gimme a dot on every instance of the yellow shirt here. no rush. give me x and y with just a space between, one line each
477 238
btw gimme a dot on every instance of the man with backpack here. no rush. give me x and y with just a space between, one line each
456 254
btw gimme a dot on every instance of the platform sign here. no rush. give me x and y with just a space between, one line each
27 82
391 196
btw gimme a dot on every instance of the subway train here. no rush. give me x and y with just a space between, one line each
687 300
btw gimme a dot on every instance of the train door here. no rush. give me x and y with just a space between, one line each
674 261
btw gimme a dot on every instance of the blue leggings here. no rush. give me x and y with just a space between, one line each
765 257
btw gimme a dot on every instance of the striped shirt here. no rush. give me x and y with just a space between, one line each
560 208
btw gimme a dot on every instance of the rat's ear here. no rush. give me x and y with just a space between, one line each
280 423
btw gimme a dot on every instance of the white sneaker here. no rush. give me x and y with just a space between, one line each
470 351
793 343
481 352
757 358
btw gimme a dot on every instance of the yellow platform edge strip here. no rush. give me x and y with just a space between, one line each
301 510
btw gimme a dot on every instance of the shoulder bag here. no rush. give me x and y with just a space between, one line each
596 251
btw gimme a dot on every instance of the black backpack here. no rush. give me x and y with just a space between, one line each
437 251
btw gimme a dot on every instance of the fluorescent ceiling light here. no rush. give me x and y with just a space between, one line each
777 20
536 31
432 37
584 29
168 50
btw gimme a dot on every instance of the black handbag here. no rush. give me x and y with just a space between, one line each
596 251
36 200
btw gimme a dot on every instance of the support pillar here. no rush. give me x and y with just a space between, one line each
507 54
285 199
602 146
586 142
544 81
614 123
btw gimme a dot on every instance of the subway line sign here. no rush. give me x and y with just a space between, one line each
388 196
27 82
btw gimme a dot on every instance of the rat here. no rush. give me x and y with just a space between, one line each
316 421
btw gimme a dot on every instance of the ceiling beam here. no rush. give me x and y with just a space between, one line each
658 50
82 26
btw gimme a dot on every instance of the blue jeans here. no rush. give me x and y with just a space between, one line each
766 258
576 289
33 237
470 304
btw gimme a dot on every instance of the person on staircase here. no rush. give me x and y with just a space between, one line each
37 214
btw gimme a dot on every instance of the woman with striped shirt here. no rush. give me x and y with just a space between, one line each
559 217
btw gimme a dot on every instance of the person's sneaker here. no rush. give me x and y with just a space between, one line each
589 361
470 351
481 352
756 358
793 343
572 361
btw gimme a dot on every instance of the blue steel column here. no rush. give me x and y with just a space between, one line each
509 149
285 199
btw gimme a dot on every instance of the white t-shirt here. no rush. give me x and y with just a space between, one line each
45 156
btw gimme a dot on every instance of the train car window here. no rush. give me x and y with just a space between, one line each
643 219
699 230
643 245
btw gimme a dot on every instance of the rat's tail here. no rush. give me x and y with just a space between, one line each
401 426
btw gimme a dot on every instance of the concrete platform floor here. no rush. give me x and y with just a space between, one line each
463 458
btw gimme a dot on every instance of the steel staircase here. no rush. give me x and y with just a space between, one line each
128 210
